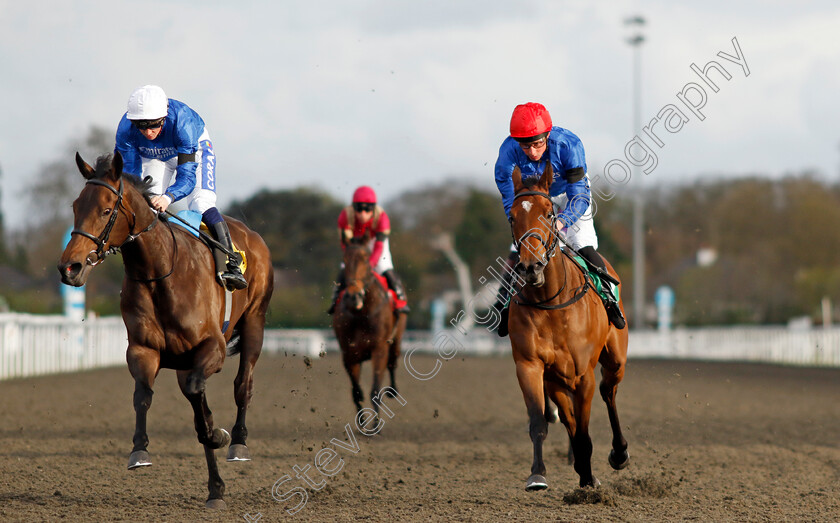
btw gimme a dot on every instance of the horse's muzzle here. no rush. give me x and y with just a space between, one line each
354 301
73 273
531 274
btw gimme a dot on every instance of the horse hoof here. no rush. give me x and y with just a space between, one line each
216 504
223 435
139 458
616 463
238 452
592 484
535 482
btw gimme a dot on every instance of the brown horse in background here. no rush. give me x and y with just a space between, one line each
559 332
172 307
365 325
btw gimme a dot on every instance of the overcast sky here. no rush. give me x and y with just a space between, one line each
396 94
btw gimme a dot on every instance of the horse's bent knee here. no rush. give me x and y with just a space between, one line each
195 384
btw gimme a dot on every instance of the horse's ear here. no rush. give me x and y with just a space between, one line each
117 165
86 170
517 180
547 176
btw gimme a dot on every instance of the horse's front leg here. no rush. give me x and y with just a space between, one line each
354 370
530 376
144 364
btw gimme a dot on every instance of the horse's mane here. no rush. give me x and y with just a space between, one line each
103 167
530 181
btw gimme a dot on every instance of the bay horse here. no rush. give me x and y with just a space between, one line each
171 305
559 332
365 325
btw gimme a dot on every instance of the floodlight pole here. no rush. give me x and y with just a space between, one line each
635 42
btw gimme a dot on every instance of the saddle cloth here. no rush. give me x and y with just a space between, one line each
598 284
194 222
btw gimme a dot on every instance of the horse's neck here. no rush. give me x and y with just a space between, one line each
560 275
151 254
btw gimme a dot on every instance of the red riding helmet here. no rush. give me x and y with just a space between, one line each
364 194
530 119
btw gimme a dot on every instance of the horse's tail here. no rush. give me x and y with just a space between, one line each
233 346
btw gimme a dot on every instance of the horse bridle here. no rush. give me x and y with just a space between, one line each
549 253
100 241
367 281
549 249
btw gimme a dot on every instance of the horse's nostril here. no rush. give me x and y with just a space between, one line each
70 269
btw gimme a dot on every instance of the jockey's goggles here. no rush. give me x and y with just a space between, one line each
363 207
148 124
536 144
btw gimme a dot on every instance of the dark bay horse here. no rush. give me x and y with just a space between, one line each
559 332
172 307
365 325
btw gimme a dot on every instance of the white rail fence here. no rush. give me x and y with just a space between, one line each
32 345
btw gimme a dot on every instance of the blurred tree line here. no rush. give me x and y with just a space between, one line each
770 245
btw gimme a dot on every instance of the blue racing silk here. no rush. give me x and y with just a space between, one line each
181 131
565 151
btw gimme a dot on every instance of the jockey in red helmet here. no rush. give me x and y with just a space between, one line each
366 220
533 142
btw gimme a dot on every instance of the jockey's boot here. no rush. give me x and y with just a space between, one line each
395 284
338 286
227 268
610 302
503 296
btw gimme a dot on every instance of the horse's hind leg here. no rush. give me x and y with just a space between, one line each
243 385
551 414
581 442
192 384
144 365
394 350
530 376
612 361
379 362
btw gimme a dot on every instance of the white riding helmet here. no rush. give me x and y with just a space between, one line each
147 103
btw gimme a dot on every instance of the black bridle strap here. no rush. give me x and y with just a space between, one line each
582 290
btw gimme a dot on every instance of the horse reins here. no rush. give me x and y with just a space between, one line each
100 241
550 253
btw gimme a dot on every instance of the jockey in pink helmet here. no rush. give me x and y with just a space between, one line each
366 221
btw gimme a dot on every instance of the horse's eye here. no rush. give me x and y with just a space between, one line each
106 212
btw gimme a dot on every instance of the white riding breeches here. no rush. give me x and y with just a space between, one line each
385 262
203 196
581 233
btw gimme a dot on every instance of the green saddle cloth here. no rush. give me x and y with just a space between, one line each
596 280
